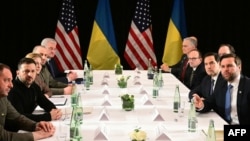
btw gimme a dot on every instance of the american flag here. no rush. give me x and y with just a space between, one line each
139 46
68 55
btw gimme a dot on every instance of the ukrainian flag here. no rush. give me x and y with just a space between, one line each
102 53
176 32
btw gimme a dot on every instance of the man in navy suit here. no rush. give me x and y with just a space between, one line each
59 75
212 79
179 69
196 71
240 93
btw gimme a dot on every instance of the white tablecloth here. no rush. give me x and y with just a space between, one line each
155 116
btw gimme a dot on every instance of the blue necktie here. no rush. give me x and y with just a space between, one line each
212 86
228 103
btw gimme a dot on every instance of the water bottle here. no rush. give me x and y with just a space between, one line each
90 74
85 69
177 99
192 121
74 97
87 80
75 133
150 72
211 136
160 79
155 86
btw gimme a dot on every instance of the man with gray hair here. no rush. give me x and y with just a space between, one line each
179 69
51 64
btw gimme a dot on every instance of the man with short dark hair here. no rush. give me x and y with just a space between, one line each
225 49
232 100
196 71
40 130
213 78
26 95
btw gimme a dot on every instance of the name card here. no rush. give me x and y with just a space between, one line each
160 135
146 101
101 133
142 90
105 90
105 81
156 116
104 116
106 75
137 81
106 101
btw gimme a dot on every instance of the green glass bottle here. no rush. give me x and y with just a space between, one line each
75 126
211 136
155 86
192 120
90 74
74 97
87 80
177 99
85 69
150 72
160 78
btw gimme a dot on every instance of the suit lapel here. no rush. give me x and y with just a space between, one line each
240 92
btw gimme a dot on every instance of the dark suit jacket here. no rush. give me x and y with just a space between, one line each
177 68
217 101
199 74
55 72
203 90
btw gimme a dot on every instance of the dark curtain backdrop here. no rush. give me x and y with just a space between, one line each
25 23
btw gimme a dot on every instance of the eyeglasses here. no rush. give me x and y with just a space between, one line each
192 59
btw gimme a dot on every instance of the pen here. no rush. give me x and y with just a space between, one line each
58 96
204 132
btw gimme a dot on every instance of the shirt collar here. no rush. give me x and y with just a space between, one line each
235 82
215 77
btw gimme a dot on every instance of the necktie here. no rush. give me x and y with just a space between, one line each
184 68
212 86
51 67
191 78
228 103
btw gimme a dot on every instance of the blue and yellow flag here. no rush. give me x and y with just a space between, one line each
102 52
176 32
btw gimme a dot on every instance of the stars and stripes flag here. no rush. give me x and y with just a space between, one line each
68 55
139 47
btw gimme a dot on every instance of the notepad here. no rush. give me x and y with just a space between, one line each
58 101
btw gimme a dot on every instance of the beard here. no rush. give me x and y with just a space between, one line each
231 77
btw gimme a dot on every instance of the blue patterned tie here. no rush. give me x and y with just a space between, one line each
228 103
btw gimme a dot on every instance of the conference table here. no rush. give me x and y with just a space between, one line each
104 118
